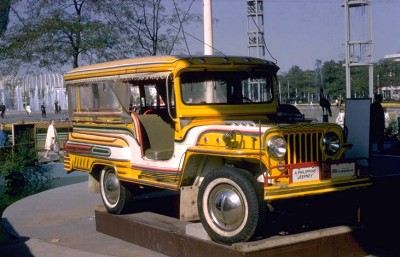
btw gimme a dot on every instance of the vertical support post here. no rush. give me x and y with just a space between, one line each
347 44
208 28
371 65
208 43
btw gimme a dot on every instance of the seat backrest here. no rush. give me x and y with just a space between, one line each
158 133
138 128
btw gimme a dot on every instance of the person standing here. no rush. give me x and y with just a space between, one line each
387 117
28 109
55 106
3 136
340 118
51 143
43 108
377 122
2 110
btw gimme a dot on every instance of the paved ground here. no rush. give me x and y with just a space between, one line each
61 222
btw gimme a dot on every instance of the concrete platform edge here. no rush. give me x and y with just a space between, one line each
169 239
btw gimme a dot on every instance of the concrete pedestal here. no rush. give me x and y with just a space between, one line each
173 237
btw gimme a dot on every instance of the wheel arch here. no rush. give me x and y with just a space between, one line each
198 165
94 176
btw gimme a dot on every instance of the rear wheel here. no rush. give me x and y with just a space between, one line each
114 194
230 205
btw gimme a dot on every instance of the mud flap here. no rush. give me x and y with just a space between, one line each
188 203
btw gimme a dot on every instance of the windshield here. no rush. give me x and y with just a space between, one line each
226 87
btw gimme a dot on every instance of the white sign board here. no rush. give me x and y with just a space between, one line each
357 119
343 170
305 174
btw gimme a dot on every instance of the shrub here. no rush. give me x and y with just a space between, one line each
392 131
20 164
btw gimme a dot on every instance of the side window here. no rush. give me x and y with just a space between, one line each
98 97
150 95
72 100
134 97
86 96
258 90
147 94
98 101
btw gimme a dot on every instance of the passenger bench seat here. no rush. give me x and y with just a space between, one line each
158 137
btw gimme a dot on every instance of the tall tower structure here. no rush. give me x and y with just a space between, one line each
255 28
358 51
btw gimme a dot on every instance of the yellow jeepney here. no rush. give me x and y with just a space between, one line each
208 127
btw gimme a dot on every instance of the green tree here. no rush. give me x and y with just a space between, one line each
334 79
386 73
283 82
331 76
149 27
4 11
297 84
310 88
359 82
294 77
51 34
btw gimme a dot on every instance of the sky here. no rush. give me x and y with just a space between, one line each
298 32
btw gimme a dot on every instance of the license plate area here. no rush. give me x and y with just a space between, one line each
343 170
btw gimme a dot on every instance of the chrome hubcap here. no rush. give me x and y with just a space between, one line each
226 207
111 186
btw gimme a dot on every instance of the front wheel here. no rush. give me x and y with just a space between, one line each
230 205
114 194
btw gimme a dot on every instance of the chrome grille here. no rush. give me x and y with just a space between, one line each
303 147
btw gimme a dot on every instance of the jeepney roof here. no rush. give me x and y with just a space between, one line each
155 66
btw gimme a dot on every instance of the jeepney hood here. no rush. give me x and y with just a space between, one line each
195 133
262 126
304 142
243 130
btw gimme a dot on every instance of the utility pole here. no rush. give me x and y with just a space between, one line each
208 43
208 28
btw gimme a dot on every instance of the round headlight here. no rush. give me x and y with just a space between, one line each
277 147
331 143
